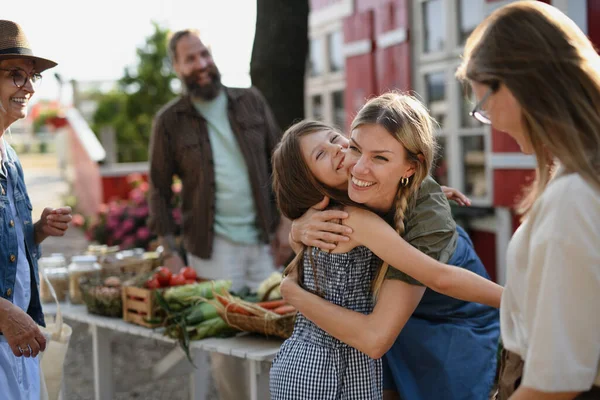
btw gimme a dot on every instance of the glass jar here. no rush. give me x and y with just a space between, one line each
81 266
55 269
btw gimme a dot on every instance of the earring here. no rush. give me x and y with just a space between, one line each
404 182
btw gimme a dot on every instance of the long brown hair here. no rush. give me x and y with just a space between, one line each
407 119
295 187
553 71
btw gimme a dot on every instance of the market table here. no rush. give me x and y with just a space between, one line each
253 348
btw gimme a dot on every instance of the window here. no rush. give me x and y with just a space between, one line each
473 155
468 103
316 62
339 113
470 14
442 27
335 43
325 80
317 107
436 96
434 26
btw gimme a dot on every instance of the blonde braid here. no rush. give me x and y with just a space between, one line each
401 204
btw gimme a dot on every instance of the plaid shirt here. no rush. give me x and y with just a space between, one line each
180 146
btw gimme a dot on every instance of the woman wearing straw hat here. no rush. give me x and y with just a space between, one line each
20 309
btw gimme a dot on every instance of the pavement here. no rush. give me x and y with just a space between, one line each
133 357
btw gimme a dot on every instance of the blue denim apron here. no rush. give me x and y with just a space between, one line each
447 349
19 376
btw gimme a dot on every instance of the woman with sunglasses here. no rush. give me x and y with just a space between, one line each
538 79
20 309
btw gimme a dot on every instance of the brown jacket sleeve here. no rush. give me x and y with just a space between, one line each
162 169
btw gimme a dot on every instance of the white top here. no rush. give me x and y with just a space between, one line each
550 310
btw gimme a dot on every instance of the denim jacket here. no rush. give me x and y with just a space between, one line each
8 237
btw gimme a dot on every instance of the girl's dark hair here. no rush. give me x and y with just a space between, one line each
296 188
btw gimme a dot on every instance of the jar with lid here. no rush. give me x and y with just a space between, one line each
55 269
81 266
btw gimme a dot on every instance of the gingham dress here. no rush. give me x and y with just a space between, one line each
313 365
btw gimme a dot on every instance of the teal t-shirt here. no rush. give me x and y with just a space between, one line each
235 211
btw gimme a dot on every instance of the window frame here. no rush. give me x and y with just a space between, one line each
329 82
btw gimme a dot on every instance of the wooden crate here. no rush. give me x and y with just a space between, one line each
139 305
127 266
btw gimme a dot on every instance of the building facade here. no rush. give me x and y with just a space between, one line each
361 48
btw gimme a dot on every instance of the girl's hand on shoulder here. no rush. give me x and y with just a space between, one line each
364 224
358 216
456 195
318 228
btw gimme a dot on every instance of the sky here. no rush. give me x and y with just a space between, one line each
96 40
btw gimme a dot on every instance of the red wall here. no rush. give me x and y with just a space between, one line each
485 247
116 187
393 64
509 185
382 69
503 143
593 16
360 69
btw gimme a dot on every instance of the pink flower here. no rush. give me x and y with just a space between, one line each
103 209
134 179
115 209
128 242
144 187
143 233
176 187
177 215
141 212
112 223
137 196
128 225
118 234
78 220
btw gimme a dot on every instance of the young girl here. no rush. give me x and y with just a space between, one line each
437 346
537 77
309 155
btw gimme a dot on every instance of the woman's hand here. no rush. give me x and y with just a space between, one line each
288 284
53 222
315 229
21 332
456 195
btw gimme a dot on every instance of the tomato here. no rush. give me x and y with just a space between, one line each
177 280
163 274
189 273
152 283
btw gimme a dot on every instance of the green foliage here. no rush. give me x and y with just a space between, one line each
42 118
141 93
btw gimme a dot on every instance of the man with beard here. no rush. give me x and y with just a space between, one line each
219 141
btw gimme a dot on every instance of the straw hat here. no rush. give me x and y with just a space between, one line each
14 44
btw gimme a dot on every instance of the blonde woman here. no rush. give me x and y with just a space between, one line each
537 77
435 346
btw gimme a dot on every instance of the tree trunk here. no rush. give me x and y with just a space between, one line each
279 54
